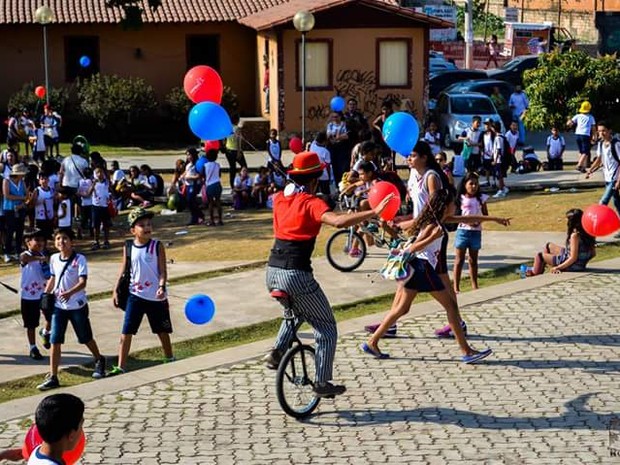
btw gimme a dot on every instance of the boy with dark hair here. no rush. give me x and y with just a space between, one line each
555 149
472 144
59 419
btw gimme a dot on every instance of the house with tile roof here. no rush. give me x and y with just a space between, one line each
368 49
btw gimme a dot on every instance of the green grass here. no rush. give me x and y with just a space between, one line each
244 335
111 152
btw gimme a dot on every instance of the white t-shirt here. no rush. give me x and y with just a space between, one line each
44 208
64 222
555 146
431 252
52 180
37 458
70 166
76 269
471 206
488 146
40 143
584 122
498 149
101 193
118 175
434 140
473 137
144 279
610 165
83 188
242 183
32 281
324 156
513 139
212 172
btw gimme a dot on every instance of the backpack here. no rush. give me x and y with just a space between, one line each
505 152
614 154
159 190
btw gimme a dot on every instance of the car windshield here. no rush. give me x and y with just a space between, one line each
471 106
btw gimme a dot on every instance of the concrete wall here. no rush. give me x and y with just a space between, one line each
163 63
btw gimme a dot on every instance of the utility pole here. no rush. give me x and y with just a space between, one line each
469 35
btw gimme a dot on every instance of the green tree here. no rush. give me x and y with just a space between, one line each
562 81
132 12
494 24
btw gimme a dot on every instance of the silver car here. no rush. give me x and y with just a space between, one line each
455 110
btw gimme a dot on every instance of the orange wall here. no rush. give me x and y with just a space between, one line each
163 62
353 50
568 5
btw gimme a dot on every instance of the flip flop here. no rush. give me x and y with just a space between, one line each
377 354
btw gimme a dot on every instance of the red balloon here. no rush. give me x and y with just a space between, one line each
34 439
381 190
600 220
296 145
39 91
203 84
212 145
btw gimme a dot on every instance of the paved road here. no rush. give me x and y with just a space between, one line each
547 396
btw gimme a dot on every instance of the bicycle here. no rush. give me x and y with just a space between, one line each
346 249
296 372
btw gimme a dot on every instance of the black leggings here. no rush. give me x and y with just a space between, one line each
233 158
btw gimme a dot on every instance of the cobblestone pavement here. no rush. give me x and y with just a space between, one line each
547 396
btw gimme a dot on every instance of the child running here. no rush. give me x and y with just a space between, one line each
147 288
425 250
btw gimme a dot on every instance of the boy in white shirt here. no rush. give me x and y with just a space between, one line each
555 150
608 153
433 138
512 136
318 147
488 148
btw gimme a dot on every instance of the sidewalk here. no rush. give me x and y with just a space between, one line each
230 293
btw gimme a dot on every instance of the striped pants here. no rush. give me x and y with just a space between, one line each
310 304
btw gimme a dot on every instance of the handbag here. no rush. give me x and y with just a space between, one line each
112 211
397 267
122 287
466 152
48 299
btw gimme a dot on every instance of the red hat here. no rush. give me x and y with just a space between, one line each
306 163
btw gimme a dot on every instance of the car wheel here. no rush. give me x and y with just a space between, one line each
447 141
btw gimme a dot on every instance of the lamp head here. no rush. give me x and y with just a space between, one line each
44 15
303 21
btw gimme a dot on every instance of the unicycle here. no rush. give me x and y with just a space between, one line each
296 372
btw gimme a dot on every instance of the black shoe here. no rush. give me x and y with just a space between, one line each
35 354
328 390
99 368
51 382
273 358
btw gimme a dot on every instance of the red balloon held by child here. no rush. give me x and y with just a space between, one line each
39 91
33 439
296 145
380 191
203 84
600 220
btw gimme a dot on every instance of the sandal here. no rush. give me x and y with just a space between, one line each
375 353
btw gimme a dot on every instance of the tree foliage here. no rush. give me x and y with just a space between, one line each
25 98
494 24
562 81
132 11
178 105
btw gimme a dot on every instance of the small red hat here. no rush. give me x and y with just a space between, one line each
306 163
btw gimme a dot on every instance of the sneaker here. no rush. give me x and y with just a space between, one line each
506 190
7 258
499 195
328 389
51 382
375 353
94 246
99 368
273 358
391 332
355 253
15 257
45 338
35 354
446 331
106 245
116 371
476 357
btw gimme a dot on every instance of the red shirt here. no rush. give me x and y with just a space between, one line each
297 217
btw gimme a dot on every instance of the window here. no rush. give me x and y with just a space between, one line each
394 63
471 106
318 64
203 50
77 47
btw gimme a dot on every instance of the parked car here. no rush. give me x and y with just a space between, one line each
455 110
486 86
439 80
437 62
512 71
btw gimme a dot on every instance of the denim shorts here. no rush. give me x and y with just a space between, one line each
468 239
79 320
583 142
157 312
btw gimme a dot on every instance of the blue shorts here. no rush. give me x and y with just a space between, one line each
468 239
583 142
79 320
101 215
214 191
157 312
425 278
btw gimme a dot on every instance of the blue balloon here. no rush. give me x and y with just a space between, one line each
84 61
200 165
401 132
209 121
199 309
337 103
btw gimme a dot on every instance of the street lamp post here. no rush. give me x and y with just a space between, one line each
303 22
45 15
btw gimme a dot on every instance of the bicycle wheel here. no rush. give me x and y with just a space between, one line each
340 250
295 382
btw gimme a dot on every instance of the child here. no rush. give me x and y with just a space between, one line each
585 131
576 253
471 143
84 192
425 250
512 136
274 149
555 150
242 188
433 138
530 162
488 145
442 160
43 198
214 187
35 272
59 419
469 236
67 282
319 147
259 187
64 212
370 152
100 195
501 161
147 288
38 147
